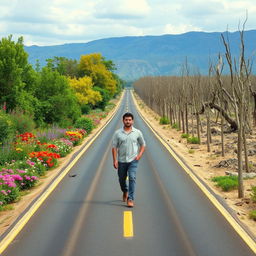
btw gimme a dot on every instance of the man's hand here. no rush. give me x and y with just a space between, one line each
137 158
142 149
115 164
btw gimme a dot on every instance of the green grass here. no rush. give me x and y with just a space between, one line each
193 140
226 183
252 215
175 126
164 120
253 194
191 151
185 135
7 207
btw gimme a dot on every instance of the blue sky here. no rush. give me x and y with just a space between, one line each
51 22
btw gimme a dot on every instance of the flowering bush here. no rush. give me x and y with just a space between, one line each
85 123
34 167
62 147
50 134
22 161
9 191
27 136
46 157
74 136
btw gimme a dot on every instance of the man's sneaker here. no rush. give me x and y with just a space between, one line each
130 203
125 196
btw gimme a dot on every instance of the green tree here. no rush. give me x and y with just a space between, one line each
56 100
64 66
105 98
16 76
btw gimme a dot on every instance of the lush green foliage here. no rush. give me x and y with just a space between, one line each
16 76
226 183
7 127
105 98
84 123
47 95
164 120
22 122
57 99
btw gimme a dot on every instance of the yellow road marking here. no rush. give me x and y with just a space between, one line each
22 222
128 224
242 233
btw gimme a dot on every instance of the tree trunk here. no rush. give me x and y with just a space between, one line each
233 123
247 169
254 111
208 133
179 119
171 119
198 128
183 122
192 125
239 158
222 137
186 118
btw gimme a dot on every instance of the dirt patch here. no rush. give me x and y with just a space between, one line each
204 163
7 218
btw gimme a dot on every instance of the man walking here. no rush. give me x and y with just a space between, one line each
128 147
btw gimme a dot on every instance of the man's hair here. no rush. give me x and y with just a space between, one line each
128 115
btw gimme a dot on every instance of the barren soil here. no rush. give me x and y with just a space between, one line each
203 163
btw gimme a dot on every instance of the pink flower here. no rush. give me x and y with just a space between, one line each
4 192
17 177
21 171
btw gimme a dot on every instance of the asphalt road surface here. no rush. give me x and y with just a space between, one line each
84 215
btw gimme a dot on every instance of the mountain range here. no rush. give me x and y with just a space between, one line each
138 56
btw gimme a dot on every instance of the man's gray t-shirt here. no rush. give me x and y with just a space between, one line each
128 144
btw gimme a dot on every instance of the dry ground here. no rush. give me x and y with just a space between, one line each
202 162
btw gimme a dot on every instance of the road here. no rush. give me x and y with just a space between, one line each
84 215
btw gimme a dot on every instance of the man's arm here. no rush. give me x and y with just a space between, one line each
142 145
114 154
142 149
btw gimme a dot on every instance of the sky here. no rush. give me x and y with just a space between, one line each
53 22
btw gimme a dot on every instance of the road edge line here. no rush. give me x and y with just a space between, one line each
5 242
231 220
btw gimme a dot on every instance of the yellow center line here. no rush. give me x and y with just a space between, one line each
128 225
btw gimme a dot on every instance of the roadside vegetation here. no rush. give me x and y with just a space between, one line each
46 111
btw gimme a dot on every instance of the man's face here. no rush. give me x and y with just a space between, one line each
128 122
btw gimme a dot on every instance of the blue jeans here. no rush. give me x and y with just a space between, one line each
124 170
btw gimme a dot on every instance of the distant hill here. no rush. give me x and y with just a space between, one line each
151 55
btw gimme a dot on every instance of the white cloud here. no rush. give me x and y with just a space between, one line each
123 9
61 21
